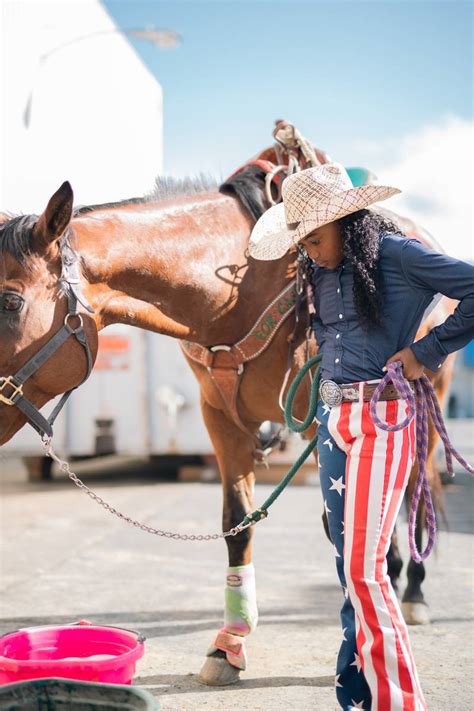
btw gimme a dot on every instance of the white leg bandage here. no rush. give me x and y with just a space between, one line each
240 614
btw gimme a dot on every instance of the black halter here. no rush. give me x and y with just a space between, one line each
13 384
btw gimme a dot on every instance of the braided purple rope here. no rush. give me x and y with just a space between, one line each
424 400
401 385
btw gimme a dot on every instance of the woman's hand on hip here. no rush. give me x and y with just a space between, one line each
412 368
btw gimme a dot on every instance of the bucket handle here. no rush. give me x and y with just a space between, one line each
82 623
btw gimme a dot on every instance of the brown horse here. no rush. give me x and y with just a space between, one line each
179 266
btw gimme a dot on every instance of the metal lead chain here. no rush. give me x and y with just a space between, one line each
64 466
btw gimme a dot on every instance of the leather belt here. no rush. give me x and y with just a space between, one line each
334 394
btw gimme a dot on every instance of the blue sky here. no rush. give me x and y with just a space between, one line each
348 74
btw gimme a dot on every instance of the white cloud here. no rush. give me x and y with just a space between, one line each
434 169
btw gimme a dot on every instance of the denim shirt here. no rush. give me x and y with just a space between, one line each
411 277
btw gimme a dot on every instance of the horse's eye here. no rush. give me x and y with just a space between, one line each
11 302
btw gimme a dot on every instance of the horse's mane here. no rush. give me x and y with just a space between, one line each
247 186
165 187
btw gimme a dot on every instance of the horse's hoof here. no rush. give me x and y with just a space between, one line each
416 613
217 671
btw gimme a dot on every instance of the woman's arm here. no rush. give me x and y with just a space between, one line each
439 273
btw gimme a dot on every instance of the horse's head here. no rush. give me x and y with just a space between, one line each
34 306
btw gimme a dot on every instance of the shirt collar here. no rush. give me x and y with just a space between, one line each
337 270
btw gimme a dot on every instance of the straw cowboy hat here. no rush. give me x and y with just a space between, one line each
311 198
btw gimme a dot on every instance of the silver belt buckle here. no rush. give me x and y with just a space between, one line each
330 393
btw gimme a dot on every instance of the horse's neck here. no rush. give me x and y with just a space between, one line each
177 267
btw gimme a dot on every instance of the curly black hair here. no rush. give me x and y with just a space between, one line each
361 233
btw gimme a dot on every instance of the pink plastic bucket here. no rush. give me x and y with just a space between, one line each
79 651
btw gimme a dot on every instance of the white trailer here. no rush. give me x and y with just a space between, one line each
141 400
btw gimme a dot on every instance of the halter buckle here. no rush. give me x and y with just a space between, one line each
17 390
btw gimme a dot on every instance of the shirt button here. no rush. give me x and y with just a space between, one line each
337 360
341 315
338 335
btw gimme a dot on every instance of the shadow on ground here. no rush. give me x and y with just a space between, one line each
188 683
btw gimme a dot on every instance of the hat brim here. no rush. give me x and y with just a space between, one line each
272 237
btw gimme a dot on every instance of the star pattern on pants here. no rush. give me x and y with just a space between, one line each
329 443
336 554
326 409
358 704
337 684
337 485
344 638
356 662
326 507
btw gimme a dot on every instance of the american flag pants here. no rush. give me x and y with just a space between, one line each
364 472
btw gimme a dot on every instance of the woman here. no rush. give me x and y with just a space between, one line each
372 287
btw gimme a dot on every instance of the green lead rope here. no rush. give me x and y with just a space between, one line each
262 512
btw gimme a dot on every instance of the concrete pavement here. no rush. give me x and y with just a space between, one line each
64 558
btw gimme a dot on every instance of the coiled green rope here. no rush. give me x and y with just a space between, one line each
262 512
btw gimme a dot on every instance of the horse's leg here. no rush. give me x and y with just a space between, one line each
324 519
394 561
414 607
233 448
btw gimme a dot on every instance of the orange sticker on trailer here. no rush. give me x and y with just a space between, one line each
114 353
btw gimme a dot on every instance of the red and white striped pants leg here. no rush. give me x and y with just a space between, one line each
377 471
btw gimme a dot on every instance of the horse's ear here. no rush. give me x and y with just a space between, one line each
57 216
